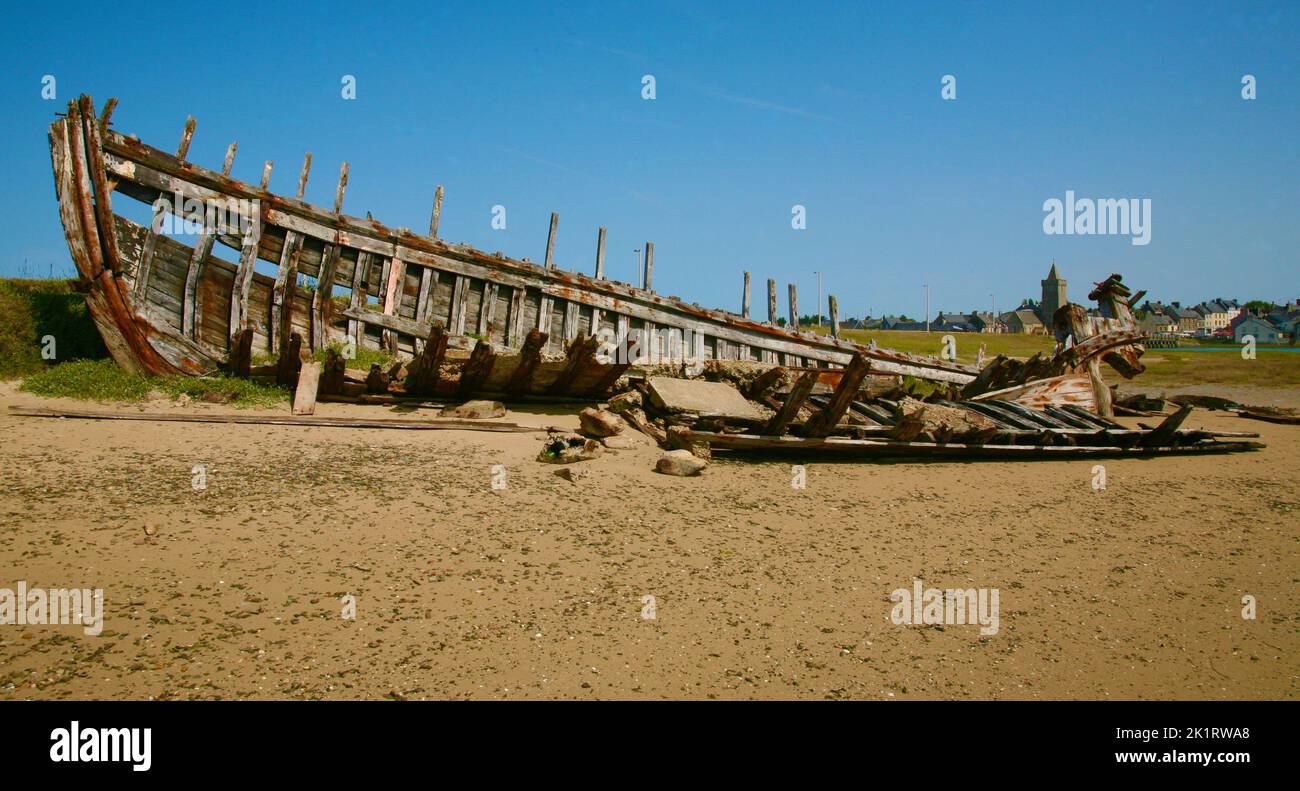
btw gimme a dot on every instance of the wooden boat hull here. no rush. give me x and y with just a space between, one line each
165 308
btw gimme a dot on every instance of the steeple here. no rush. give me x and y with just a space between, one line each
1053 295
1053 274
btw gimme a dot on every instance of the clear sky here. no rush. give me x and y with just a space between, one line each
758 107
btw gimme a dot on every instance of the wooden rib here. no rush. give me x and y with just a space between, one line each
186 136
302 176
151 238
266 174
424 302
98 178
360 276
487 310
105 117
600 253
515 336
744 299
240 360
580 355
343 185
550 241
437 212
571 320
850 381
1163 433
835 315
286 284
607 380
649 266
794 309
771 301
529 356
544 314
477 369
459 304
244 275
790 409
396 271
321 300
189 304
423 377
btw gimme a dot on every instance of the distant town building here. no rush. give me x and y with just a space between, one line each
1263 330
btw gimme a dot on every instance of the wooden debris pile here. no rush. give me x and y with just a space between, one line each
794 410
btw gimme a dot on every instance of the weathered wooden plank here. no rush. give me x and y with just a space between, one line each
771 301
244 276
459 305
794 309
190 306
282 292
266 174
850 382
600 253
487 311
744 299
445 424
529 356
360 278
302 176
151 240
835 315
1164 432
241 353
515 335
428 282
304 393
789 410
343 185
571 318
396 275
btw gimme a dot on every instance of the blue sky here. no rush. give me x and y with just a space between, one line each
835 107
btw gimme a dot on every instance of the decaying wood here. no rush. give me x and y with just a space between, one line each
581 355
304 393
241 354
529 357
332 373
290 361
476 371
441 424
790 409
423 376
845 392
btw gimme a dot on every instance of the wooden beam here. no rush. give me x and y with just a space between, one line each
321 300
529 356
424 302
243 284
744 299
771 301
448 424
396 271
266 174
302 176
477 369
360 277
436 217
794 310
304 392
1164 432
186 136
241 353
649 266
343 185
835 316
290 360
487 309
282 292
789 410
105 117
571 321
515 334
850 381
600 253
459 305
190 299
550 241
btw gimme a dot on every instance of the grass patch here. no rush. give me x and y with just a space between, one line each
364 359
968 343
1171 368
102 380
31 310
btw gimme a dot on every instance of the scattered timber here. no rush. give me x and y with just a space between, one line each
441 424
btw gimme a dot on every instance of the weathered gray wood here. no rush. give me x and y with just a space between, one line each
286 284
477 369
550 241
424 371
151 241
515 335
571 320
835 316
794 309
446 424
771 301
459 305
744 299
436 217
321 299
304 394
266 174
487 311
186 136
648 281
360 277
600 253
396 271
244 276
579 356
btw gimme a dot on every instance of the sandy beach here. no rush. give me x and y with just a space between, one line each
537 589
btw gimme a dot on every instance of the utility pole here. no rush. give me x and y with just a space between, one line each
926 286
819 299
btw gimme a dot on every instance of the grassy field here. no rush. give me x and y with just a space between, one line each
102 380
968 344
30 310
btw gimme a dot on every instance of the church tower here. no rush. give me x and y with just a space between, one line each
1053 296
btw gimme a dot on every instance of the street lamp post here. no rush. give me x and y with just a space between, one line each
819 298
639 277
926 286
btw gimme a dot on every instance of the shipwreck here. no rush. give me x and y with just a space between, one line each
462 322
